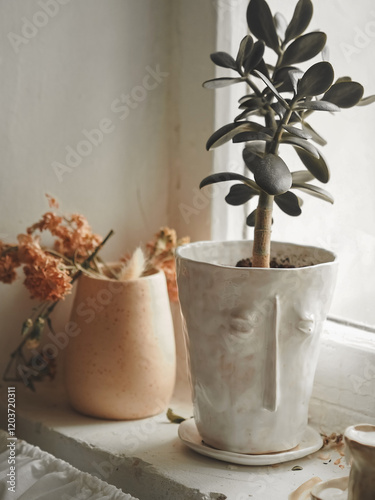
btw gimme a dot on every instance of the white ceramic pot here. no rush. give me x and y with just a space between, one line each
360 443
253 337
120 363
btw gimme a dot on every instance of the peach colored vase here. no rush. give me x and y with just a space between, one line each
121 363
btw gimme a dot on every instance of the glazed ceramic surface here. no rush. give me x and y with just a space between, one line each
121 364
253 337
188 433
335 489
360 446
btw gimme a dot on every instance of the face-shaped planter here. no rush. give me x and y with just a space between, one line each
253 337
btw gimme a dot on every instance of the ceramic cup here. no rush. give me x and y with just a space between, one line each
360 443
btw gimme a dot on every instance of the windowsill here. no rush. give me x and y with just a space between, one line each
146 458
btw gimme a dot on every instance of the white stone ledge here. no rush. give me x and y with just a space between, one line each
344 386
146 459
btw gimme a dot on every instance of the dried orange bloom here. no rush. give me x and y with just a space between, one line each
76 239
9 261
48 280
52 202
162 256
49 221
7 269
29 250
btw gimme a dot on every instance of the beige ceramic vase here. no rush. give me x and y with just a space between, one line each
121 362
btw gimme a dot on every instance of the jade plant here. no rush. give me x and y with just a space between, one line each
280 99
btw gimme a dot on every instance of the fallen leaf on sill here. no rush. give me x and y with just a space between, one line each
338 461
172 417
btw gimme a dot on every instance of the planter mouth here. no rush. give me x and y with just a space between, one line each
363 434
304 256
151 274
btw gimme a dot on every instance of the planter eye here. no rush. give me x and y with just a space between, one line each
306 325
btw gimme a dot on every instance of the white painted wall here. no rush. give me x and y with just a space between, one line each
74 65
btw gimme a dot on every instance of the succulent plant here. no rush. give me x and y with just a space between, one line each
283 97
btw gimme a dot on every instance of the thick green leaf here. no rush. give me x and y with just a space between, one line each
254 57
245 48
249 136
289 203
295 75
317 166
271 174
343 79
366 100
218 83
245 98
252 104
302 134
344 94
317 79
281 24
304 48
250 221
224 60
300 20
225 177
300 143
272 88
227 132
314 135
240 194
249 157
282 79
245 114
261 24
316 191
302 176
263 68
317 106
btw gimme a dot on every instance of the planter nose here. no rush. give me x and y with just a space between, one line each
271 380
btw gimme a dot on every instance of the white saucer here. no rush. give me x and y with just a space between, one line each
189 435
335 489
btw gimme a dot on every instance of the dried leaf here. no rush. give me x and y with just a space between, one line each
134 267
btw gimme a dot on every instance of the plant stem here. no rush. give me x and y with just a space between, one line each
262 231
263 219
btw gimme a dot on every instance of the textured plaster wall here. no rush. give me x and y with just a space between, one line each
93 111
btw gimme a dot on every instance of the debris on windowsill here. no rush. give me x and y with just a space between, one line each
173 417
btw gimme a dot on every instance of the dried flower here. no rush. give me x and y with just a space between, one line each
76 238
49 221
49 275
29 250
48 280
161 255
52 202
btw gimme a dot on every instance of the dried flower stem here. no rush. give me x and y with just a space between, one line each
45 310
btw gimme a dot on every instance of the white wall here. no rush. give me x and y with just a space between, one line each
64 70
